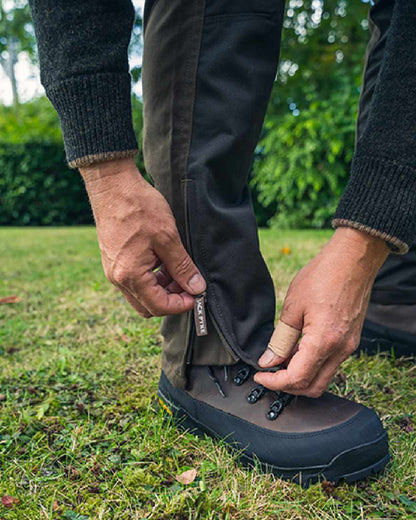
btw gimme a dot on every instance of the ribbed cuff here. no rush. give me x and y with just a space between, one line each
380 199
96 118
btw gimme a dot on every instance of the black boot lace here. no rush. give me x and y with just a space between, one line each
242 375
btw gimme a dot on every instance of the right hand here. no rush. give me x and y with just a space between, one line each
141 251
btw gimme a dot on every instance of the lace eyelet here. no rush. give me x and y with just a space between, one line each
275 409
241 376
256 394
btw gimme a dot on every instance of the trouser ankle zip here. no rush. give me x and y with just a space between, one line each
199 326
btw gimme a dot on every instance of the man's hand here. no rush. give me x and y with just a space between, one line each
141 250
327 301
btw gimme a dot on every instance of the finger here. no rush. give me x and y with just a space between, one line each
180 265
301 370
136 305
160 302
324 377
282 343
162 276
174 287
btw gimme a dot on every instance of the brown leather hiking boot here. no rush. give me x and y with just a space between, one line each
296 438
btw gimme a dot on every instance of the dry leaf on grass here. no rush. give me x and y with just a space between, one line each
10 299
187 476
9 501
124 338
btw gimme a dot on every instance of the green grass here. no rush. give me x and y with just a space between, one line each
79 434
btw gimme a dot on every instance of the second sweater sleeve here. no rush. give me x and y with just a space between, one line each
380 197
83 54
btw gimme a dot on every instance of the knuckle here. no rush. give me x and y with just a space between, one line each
333 340
351 347
120 275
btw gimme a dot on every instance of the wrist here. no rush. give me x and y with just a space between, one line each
97 171
369 251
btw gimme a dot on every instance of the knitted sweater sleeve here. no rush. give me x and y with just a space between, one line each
380 197
83 54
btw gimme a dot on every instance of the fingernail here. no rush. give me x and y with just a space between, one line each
197 284
267 358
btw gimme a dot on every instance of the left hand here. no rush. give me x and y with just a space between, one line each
327 301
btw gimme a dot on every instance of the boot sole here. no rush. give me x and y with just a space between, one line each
341 467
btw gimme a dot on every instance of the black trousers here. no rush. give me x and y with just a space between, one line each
208 70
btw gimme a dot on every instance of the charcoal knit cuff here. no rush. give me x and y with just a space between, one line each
96 118
380 199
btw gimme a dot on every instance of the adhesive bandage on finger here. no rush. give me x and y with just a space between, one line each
284 339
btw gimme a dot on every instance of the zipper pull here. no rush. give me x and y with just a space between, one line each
200 316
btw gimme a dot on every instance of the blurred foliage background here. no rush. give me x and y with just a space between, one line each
302 160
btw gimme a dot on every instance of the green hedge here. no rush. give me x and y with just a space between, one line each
37 187
303 162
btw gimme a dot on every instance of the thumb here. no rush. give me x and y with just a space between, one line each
180 266
282 343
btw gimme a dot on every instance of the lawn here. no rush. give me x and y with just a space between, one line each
80 437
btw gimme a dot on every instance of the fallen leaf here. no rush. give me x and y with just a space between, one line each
55 505
406 424
187 476
9 501
10 299
285 250
328 487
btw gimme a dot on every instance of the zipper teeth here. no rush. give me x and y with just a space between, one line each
223 341
191 340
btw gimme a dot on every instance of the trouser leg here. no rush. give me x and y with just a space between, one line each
208 70
396 281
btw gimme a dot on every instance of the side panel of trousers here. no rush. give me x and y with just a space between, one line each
396 280
172 38
237 66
